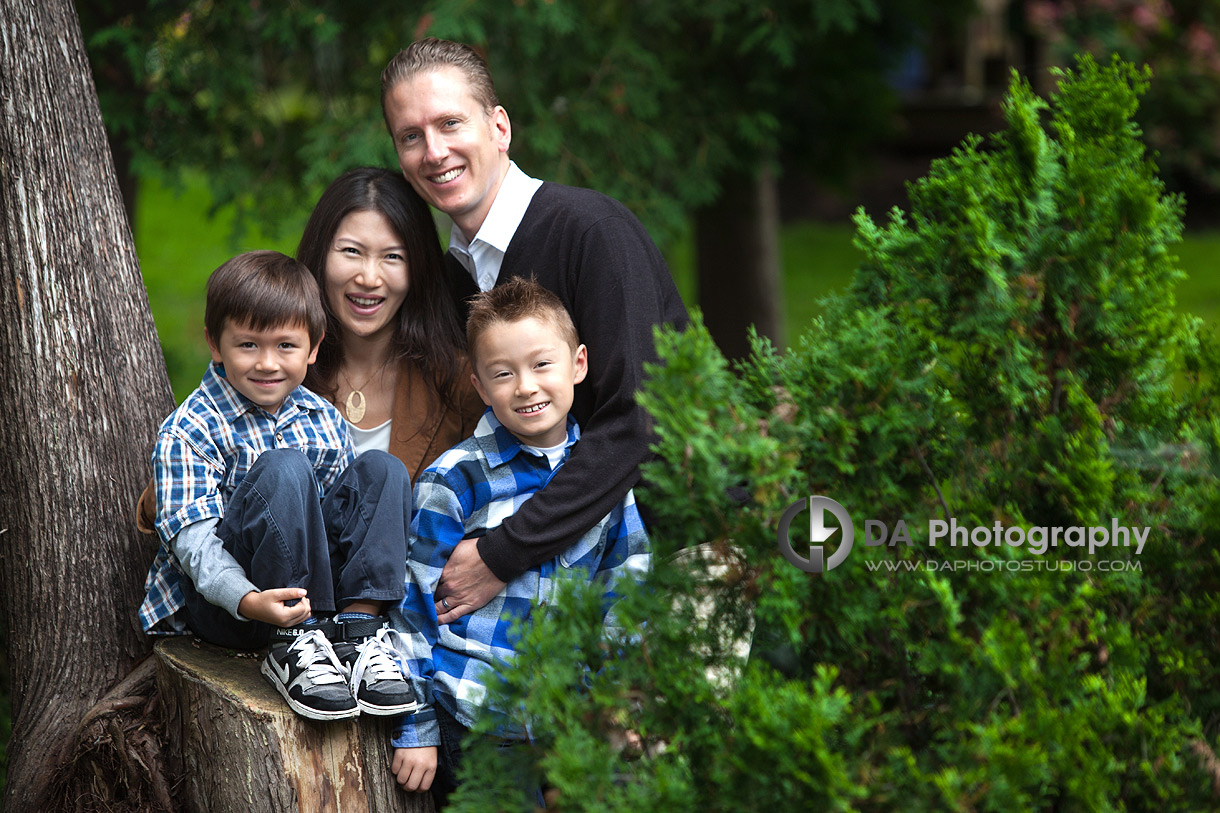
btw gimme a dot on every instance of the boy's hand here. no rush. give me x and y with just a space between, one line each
466 584
271 606
414 768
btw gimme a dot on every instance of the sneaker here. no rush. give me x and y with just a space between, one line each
375 669
303 667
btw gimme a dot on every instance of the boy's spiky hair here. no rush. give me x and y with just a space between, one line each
518 298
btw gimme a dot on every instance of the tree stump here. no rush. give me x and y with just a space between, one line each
236 745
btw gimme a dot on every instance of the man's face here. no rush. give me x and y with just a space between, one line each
449 148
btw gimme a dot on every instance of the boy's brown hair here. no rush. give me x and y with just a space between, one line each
517 299
262 290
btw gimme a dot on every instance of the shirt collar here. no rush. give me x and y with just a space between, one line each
500 446
231 404
513 198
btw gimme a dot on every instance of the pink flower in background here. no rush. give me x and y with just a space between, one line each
1043 15
1152 14
1201 45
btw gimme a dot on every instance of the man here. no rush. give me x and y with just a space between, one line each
452 138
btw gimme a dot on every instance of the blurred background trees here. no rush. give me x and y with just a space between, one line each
686 111
715 122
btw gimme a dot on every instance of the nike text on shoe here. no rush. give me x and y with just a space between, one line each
375 669
303 667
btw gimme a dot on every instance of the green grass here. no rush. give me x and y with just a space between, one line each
179 246
818 258
1199 293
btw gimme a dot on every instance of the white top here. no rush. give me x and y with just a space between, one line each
553 454
484 255
364 439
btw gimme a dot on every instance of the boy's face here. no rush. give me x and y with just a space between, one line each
263 365
526 373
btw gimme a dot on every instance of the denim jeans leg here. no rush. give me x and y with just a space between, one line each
368 514
273 527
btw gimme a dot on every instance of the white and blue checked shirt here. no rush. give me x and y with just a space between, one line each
469 490
204 450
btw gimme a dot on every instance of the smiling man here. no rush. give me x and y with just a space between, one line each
452 138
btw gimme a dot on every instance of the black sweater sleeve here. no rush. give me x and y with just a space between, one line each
593 253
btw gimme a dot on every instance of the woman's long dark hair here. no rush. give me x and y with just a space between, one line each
427 330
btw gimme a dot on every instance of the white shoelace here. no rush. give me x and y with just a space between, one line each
379 657
317 657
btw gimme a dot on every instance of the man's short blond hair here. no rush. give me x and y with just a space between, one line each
431 54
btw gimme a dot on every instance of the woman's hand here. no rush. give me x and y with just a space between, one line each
414 768
271 606
466 584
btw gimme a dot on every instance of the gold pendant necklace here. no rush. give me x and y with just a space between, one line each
356 405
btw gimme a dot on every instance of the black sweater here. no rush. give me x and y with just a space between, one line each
596 256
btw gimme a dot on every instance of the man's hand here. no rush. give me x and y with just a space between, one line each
414 768
466 583
270 606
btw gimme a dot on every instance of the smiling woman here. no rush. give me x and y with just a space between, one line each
393 356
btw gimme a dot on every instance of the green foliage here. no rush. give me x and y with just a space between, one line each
651 103
179 247
654 103
270 100
1007 355
1178 40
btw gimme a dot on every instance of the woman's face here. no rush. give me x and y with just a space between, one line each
366 275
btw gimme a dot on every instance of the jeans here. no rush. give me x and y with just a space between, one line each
351 545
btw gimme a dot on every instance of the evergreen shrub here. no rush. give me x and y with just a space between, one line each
1008 353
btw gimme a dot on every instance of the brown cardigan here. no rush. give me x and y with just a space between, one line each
419 430
418 435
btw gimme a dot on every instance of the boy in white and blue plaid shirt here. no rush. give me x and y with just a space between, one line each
268 522
526 359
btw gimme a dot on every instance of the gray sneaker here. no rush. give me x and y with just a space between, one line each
373 664
303 667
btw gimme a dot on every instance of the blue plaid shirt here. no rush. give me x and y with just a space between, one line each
204 450
469 490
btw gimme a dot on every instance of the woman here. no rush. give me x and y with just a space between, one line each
392 358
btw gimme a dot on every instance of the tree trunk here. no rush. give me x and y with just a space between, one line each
84 388
272 760
738 258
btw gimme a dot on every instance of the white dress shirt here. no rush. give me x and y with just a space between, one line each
484 255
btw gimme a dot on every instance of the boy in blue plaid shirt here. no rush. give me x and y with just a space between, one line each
267 520
526 359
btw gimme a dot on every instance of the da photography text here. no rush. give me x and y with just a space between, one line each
1038 539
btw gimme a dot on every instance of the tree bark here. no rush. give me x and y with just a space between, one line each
84 388
738 257
237 745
